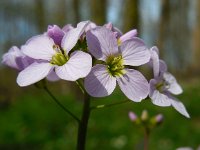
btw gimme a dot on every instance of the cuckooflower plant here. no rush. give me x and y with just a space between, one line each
97 58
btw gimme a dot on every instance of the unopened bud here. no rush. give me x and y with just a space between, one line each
159 118
156 120
144 115
133 117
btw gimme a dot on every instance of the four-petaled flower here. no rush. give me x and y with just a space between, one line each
164 85
50 56
101 81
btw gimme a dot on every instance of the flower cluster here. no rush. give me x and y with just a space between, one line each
101 56
145 120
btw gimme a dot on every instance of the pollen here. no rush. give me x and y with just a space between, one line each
115 65
60 58
162 86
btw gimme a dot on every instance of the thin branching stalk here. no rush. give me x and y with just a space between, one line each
146 138
109 105
59 104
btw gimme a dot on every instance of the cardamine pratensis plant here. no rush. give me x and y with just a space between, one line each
97 58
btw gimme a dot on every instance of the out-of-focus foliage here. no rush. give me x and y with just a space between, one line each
35 122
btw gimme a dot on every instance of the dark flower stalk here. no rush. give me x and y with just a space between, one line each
82 128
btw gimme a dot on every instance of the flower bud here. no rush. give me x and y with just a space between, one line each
144 116
156 120
133 117
159 118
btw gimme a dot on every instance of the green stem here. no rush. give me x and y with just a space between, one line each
109 105
82 129
59 104
78 82
146 138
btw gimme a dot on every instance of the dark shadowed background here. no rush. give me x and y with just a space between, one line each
29 119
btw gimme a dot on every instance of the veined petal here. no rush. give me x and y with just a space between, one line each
101 43
108 25
160 99
180 107
173 86
72 36
117 31
134 85
39 47
9 58
134 52
67 28
163 66
99 82
127 36
78 66
90 26
155 60
55 33
157 98
33 73
24 62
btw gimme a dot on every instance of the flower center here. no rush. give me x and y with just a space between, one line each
60 58
162 86
115 65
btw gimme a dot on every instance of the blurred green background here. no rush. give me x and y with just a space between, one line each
30 120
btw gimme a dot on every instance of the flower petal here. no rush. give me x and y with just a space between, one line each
67 28
72 36
39 47
180 107
163 66
129 35
134 85
115 30
134 52
155 61
33 73
108 25
101 43
9 58
99 82
158 98
55 33
78 66
52 76
24 62
174 87
90 26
